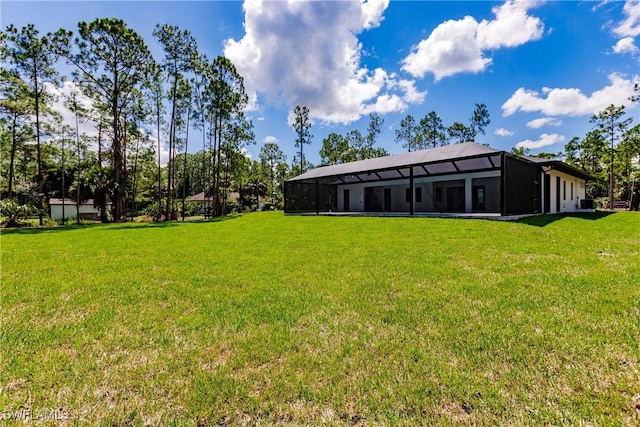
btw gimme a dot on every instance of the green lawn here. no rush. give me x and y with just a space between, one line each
274 319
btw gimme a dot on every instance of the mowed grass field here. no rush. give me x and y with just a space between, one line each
272 319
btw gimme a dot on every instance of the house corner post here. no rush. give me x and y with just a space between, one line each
317 196
412 190
503 183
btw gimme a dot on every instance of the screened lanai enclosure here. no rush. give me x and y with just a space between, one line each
461 178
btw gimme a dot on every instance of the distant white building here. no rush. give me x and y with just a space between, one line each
87 209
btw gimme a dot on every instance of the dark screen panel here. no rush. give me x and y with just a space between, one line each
522 188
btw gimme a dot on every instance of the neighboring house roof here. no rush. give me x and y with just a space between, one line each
200 197
56 201
559 166
196 198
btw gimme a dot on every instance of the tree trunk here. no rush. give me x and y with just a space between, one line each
205 156
12 155
102 199
184 168
39 155
135 180
159 196
78 171
172 142
117 154
217 150
63 213
611 178
301 157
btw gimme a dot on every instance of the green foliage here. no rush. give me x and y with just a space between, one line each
155 209
125 87
609 153
302 126
180 50
230 129
408 134
16 109
365 147
13 214
433 133
520 151
459 133
298 167
611 123
479 120
112 62
31 58
274 167
234 206
335 150
353 146
430 132
263 317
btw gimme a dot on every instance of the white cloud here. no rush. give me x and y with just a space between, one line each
571 101
503 132
411 94
386 104
61 96
252 102
450 49
270 139
457 46
164 149
246 153
512 27
625 45
544 141
630 26
308 53
544 121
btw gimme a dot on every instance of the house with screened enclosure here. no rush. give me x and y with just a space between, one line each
459 179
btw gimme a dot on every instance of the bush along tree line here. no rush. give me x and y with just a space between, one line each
136 105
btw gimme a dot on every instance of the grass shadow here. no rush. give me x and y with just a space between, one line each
111 226
544 220
46 229
169 224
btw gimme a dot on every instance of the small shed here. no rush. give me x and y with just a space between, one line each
66 208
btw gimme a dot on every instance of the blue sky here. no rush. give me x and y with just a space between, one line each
542 68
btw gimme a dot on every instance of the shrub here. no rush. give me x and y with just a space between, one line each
12 214
233 206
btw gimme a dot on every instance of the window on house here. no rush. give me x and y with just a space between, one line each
419 195
564 190
572 191
407 195
438 194
477 198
